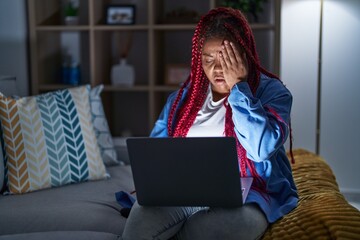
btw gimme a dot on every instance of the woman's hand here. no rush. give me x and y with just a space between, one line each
234 66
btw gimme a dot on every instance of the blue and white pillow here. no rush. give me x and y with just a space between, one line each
49 140
101 127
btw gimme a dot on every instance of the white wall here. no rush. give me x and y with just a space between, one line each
13 46
340 100
298 66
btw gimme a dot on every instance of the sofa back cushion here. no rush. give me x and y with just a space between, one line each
49 140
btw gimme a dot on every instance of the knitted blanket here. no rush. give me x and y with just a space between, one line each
322 212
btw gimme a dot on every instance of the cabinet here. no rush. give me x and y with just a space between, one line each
155 41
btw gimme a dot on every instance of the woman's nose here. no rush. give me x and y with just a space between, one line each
217 63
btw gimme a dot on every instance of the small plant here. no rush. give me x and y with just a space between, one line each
71 9
248 6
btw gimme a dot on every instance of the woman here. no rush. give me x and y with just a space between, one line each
227 93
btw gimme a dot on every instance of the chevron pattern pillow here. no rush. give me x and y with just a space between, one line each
49 140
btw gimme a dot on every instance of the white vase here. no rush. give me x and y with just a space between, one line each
123 74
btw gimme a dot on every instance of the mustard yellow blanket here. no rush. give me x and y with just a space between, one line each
322 212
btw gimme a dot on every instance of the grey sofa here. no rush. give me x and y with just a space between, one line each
87 210
70 124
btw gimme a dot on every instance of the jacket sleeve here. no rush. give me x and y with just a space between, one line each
160 128
261 122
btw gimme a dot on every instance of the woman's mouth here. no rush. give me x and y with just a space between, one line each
219 80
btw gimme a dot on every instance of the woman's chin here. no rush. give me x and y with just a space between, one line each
220 87
219 93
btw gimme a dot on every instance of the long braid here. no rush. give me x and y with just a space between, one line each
196 93
197 84
173 108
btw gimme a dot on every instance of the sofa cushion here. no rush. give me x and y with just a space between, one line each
87 206
121 149
101 127
48 140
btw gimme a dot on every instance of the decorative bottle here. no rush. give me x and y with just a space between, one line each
123 74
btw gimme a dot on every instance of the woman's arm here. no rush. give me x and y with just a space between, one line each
261 122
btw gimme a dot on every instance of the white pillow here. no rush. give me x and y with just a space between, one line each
2 169
2 173
101 127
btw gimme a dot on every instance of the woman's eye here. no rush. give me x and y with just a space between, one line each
208 61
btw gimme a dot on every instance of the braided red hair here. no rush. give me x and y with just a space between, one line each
219 22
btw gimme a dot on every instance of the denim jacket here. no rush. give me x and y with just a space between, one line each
262 127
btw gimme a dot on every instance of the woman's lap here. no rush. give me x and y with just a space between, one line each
247 222
159 223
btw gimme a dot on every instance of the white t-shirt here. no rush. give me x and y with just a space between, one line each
210 120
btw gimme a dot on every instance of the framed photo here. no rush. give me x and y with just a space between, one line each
120 14
176 74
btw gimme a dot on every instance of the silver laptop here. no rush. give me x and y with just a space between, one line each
197 171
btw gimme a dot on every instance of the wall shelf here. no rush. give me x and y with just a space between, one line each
154 44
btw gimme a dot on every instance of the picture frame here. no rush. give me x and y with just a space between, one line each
120 14
176 74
